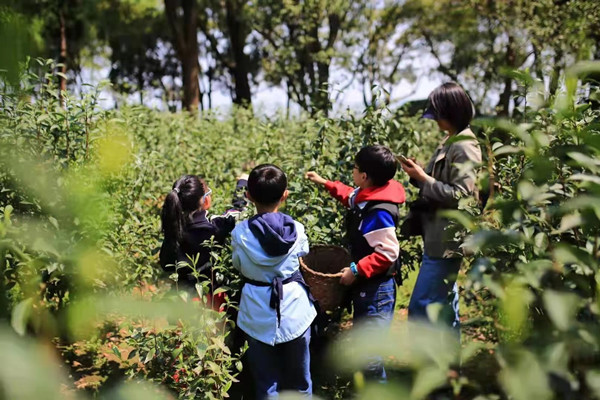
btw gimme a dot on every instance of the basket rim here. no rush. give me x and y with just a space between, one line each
317 273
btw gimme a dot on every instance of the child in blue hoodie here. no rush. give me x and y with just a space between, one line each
276 310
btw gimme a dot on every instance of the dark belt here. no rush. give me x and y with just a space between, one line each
277 290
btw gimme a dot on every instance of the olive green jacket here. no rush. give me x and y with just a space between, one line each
451 176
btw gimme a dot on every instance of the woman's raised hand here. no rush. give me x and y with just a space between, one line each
414 170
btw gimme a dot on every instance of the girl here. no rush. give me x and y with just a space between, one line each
187 228
449 176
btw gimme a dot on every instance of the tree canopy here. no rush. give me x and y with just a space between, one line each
183 51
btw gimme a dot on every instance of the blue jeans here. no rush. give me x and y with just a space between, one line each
373 301
285 366
436 283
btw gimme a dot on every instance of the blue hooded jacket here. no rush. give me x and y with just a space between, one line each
265 247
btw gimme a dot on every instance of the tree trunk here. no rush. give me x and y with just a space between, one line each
555 75
504 101
595 78
323 102
318 72
288 103
191 88
506 95
201 88
140 79
62 58
185 37
537 66
237 39
209 90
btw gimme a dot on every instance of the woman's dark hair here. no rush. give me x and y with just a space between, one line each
378 162
450 102
179 204
266 184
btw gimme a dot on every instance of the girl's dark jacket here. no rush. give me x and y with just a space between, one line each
197 236
196 243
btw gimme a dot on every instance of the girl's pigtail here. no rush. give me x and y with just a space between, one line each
172 218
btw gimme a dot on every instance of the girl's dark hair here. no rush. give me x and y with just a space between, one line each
179 205
451 103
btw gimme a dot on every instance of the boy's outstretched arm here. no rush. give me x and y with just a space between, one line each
337 189
315 178
239 201
225 222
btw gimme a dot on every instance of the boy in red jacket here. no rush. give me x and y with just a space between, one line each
371 233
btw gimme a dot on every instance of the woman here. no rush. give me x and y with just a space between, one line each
449 176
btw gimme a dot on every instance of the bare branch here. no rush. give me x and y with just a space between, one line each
441 67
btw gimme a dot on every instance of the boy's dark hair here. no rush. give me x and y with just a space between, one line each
451 103
266 184
378 162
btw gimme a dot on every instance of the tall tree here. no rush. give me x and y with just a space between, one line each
379 53
141 55
226 29
20 35
238 32
479 43
303 39
182 16
65 26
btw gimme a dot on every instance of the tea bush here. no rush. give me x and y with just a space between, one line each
81 202
82 190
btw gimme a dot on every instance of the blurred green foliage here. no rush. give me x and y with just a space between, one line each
81 195
81 198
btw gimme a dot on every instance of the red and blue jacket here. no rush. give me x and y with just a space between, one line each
371 224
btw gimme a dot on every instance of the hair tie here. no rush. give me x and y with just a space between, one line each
176 190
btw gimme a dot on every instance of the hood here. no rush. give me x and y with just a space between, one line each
276 232
393 192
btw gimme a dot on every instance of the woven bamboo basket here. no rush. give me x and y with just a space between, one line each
321 270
